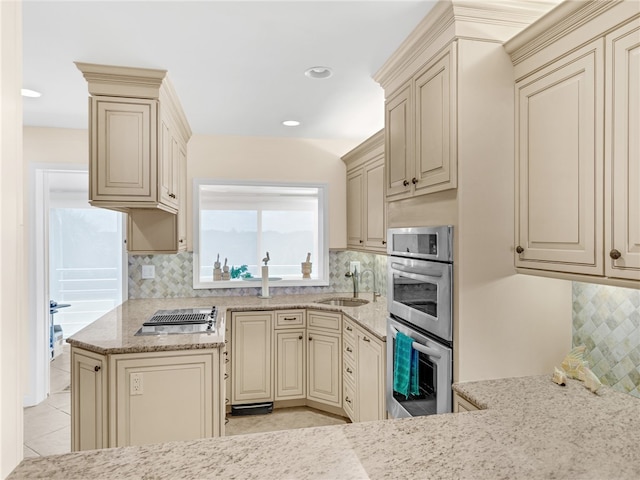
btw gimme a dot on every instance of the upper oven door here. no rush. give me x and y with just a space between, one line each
429 243
420 292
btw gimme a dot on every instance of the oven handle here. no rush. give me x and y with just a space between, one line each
432 352
417 271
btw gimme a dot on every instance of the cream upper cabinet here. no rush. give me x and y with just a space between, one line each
578 160
420 125
559 111
89 400
251 357
622 153
366 216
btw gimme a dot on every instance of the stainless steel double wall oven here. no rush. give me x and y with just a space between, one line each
420 303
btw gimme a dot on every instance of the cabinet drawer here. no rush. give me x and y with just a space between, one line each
348 350
326 320
349 371
349 331
349 400
289 319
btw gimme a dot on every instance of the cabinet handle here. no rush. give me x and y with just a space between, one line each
226 420
226 375
349 329
414 180
181 240
171 195
519 249
96 368
349 370
347 400
615 254
384 242
366 339
405 183
226 360
226 401
288 319
300 337
349 350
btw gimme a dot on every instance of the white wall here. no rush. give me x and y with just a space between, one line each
12 261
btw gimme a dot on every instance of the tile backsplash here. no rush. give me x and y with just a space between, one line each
607 321
174 277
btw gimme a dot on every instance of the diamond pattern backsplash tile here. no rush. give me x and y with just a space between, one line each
174 277
607 321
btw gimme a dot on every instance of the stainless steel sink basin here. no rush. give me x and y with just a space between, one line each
344 302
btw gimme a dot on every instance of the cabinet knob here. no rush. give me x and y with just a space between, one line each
414 180
300 337
310 338
384 242
615 254
361 241
405 183
519 249
96 368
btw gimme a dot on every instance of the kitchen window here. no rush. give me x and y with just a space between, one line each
238 222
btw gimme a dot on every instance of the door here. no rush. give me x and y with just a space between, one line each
324 366
252 362
398 148
290 364
559 166
622 154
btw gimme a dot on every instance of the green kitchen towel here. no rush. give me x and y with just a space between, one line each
402 363
413 382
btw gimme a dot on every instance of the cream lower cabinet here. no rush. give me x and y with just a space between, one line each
251 357
166 396
324 357
89 400
461 404
364 364
290 344
140 398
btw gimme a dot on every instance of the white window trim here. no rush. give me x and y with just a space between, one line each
323 242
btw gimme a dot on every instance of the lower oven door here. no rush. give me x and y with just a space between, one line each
434 375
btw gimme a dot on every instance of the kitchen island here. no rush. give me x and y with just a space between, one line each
530 428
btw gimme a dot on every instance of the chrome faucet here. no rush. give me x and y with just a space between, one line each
354 276
376 292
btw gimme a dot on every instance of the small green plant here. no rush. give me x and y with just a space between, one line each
240 272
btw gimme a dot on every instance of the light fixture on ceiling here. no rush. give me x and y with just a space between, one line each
291 123
318 72
30 93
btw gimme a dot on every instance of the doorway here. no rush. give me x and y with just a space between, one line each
77 259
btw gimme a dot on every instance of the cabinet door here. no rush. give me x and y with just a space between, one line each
622 153
290 364
251 357
370 377
151 231
355 183
165 397
123 149
398 125
182 199
324 368
436 154
168 163
374 207
559 165
89 419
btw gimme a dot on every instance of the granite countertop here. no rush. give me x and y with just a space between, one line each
115 331
531 429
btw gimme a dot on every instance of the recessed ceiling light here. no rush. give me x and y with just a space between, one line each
30 93
318 72
291 123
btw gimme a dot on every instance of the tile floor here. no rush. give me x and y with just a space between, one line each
47 426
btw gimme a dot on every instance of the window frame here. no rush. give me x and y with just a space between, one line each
323 240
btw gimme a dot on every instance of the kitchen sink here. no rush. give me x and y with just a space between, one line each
344 302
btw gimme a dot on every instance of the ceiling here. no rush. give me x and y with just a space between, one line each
237 66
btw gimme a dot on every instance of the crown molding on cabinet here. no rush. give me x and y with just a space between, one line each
561 22
364 151
495 21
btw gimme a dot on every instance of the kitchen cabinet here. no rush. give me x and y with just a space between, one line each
578 166
421 130
324 358
364 371
252 360
162 397
89 401
461 404
366 217
139 398
138 142
290 352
